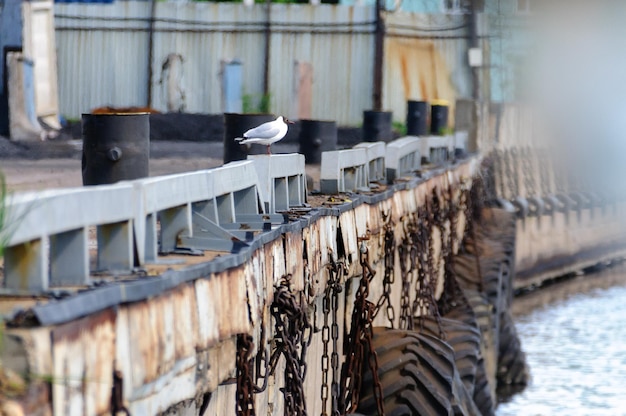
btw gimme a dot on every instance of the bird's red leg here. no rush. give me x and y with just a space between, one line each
268 149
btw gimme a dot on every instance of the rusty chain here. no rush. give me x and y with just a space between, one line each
359 342
510 164
526 156
330 303
117 394
451 288
389 260
405 251
470 208
425 303
245 389
292 337
498 172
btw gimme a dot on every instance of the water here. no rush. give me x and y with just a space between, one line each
576 350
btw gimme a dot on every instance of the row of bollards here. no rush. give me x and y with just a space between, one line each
116 146
417 118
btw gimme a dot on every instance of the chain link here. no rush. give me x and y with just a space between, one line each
510 164
425 303
245 389
526 155
407 268
545 166
389 260
449 297
330 303
499 173
358 341
292 333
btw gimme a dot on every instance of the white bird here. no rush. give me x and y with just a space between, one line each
266 133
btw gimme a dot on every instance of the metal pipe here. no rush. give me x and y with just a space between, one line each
474 43
379 44
268 39
150 51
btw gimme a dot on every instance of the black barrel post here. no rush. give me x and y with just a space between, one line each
116 147
235 125
438 118
317 136
377 126
417 118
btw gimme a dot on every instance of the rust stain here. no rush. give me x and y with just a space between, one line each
73 331
185 321
233 319
124 110
424 88
406 79
294 258
416 69
143 348
89 344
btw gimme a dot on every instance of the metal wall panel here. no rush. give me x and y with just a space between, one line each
425 60
105 62
100 64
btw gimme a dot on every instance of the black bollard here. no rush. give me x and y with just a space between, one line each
438 117
417 118
377 126
317 136
235 125
116 147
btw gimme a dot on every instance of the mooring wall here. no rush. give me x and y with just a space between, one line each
146 296
168 339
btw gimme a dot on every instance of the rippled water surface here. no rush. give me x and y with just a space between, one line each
576 350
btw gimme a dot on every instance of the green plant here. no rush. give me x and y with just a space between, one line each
399 127
246 103
264 103
254 103
445 131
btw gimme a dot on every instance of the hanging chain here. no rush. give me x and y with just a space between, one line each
499 173
544 163
330 302
526 155
389 277
425 303
512 172
449 296
292 333
406 272
325 360
245 389
358 342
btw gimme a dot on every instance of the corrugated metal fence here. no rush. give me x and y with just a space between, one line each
103 54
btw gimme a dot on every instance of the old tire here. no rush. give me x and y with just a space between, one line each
418 376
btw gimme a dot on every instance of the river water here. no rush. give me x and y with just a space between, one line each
576 349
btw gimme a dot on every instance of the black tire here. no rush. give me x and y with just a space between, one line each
513 374
418 376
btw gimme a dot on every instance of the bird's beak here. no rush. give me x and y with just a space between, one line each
289 122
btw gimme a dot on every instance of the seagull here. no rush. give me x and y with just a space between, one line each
266 133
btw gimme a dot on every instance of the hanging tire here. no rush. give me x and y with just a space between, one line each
418 376
513 374
485 388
